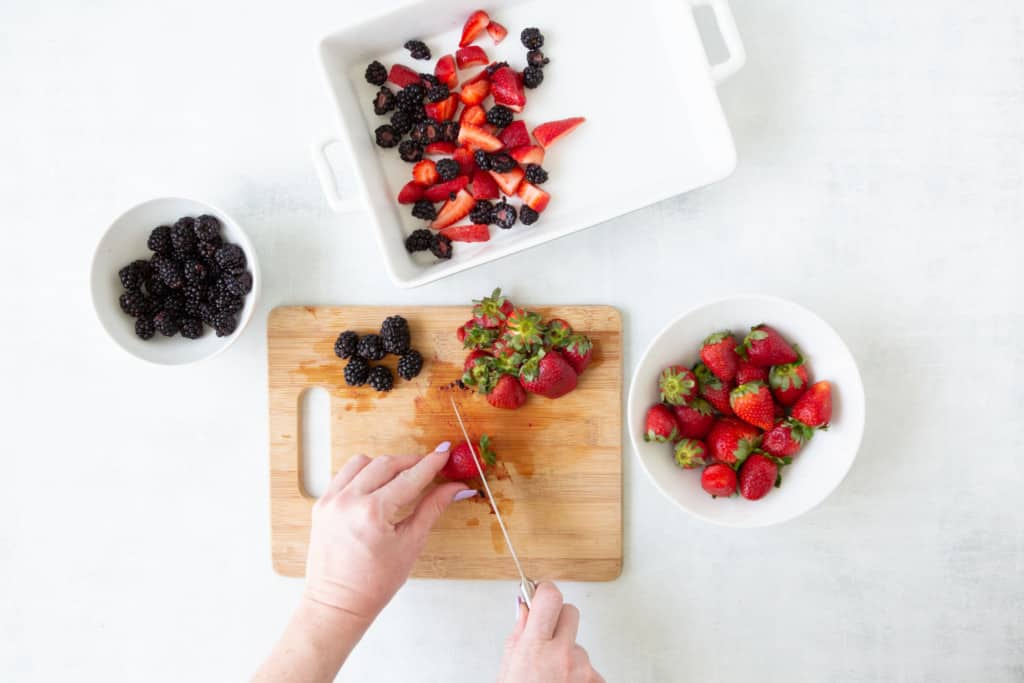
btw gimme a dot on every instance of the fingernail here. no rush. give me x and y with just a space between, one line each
443 447
465 495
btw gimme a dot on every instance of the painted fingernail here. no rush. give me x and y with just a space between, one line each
465 495
443 447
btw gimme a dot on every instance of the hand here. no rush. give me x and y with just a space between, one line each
360 550
542 648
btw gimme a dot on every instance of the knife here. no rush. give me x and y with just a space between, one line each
526 586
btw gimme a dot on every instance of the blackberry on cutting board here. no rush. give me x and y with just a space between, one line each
504 215
527 216
386 136
346 343
536 174
440 246
410 151
357 371
381 379
376 73
438 93
370 347
448 169
402 122
532 38
144 328
159 241
499 115
536 58
482 212
419 240
424 210
501 162
533 76
207 228
384 101
417 49
410 364
394 331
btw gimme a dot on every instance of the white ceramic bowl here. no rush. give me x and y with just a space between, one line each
816 471
125 241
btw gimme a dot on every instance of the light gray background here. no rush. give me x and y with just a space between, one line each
879 183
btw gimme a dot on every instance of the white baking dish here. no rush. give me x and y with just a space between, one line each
626 71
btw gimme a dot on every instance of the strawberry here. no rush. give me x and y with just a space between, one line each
547 374
410 193
507 89
403 76
712 389
482 375
460 333
814 408
475 25
473 335
525 330
471 358
462 464
443 191
442 148
557 334
471 55
476 232
454 210
492 311
508 393
528 154
765 347
444 71
789 381
786 438
695 418
691 454
473 115
463 156
718 480
515 135
547 133
731 441
497 32
509 358
483 186
753 404
677 385
747 372
509 180
780 411
425 173
578 352
534 197
757 476
474 93
719 353
661 424
443 110
479 138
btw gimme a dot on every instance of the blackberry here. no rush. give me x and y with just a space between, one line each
410 151
504 215
230 256
410 364
386 136
424 210
194 271
193 293
482 213
418 114
532 38
170 273
491 68
207 228
239 285
370 347
450 131
376 73
134 303
384 101
173 304
536 174
501 162
357 371
448 169
224 324
228 303
419 240
345 344
159 241
190 328
415 91
426 132
536 58
183 236
440 246
207 249
144 328
381 379
483 161
401 122
134 275
156 288
394 331
438 93
430 79
207 313
527 216
499 115
417 49
407 101
163 322
533 76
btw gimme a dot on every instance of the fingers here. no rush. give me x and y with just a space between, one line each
568 624
381 470
430 509
545 609
407 487
345 475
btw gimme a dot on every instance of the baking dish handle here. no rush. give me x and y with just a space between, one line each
730 36
328 178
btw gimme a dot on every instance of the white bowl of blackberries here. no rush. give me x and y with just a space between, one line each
364 352
174 281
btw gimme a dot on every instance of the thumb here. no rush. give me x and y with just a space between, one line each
431 507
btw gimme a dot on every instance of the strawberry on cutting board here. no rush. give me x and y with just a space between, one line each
579 352
661 424
753 404
507 394
461 465
548 374
492 311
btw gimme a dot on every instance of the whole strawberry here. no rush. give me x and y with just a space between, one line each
557 334
695 419
788 382
814 408
471 359
661 424
757 476
718 480
786 438
482 374
748 372
719 353
713 389
491 311
524 330
752 403
508 393
677 384
765 347
460 465
730 441
578 352
509 358
475 336
691 453
548 374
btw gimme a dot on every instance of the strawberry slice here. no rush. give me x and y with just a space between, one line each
443 148
528 154
443 191
443 110
534 197
467 233
410 193
508 181
474 116
483 186
403 76
475 25
473 55
507 89
515 135
464 158
547 133
479 138
445 71
475 93
425 173
454 210
497 32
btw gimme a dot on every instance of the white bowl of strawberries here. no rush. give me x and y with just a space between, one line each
747 411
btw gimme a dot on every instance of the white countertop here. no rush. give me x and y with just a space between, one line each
880 183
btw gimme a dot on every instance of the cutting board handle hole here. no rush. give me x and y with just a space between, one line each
315 442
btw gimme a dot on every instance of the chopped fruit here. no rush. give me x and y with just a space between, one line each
443 110
558 333
500 116
718 480
483 186
472 55
443 147
504 215
475 25
534 197
410 193
492 311
731 441
695 419
719 353
525 330
509 181
533 76
757 476
548 374
478 138
677 385
661 424
765 347
527 216
748 372
536 174
441 247
508 393
753 404
473 355
463 464
579 352
528 154
786 438
788 382
464 158
691 454
515 134
507 89
501 162
814 408
473 115
443 191
475 93
497 32
547 133
445 71
386 136
483 210
454 209
467 233
712 389
425 173
537 58
417 49
403 76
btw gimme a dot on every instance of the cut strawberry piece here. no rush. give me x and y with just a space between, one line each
508 181
483 186
474 116
443 191
497 32
403 76
443 110
475 93
475 25
445 71
425 173
410 193
515 135
479 138
464 158
473 55
467 233
528 154
547 133
445 148
454 210
534 197
507 88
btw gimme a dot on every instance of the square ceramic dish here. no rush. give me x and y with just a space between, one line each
589 75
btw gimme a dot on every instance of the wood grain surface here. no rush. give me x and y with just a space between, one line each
558 482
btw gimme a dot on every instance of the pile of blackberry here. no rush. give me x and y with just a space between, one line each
194 278
393 339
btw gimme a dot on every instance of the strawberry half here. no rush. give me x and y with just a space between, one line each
475 93
473 115
661 424
534 197
410 193
479 138
509 180
507 89
483 186
443 110
454 210
443 191
753 404
445 72
528 154
440 148
403 76
425 173
515 135
474 26
497 32
467 233
547 133
472 55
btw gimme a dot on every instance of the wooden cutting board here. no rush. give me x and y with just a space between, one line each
558 482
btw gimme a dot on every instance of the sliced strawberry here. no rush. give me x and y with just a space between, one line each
475 93
515 135
473 55
403 76
445 148
445 71
473 115
508 181
454 210
425 173
479 138
528 154
534 197
476 232
507 89
547 133
475 25
483 186
443 191
497 32
410 193
464 158
443 110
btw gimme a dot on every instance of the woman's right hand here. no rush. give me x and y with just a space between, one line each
542 648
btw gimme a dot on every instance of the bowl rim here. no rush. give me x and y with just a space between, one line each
243 241
768 298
